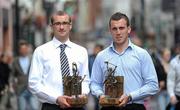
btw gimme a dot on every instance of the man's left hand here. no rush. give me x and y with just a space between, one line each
123 100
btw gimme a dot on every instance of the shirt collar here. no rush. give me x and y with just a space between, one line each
57 43
23 57
130 45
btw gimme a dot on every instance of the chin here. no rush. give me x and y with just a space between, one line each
62 35
119 42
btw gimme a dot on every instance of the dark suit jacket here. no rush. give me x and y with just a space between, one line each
22 79
4 75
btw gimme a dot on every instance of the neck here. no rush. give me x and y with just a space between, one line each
121 47
62 40
23 56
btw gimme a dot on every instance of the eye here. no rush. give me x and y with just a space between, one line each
57 23
114 28
65 23
61 23
118 28
121 28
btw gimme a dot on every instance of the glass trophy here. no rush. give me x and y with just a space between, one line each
72 87
113 87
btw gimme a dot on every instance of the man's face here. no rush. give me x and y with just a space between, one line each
24 50
61 26
119 31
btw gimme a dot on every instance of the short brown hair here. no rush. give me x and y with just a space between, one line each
22 42
59 13
118 16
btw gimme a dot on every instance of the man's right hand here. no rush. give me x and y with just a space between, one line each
62 101
173 100
101 98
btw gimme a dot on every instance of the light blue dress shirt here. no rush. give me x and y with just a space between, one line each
134 63
24 63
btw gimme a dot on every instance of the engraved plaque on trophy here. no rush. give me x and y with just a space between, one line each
72 87
113 87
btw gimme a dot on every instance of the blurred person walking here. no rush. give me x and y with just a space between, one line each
173 81
20 72
4 82
162 75
4 74
176 50
93 101
163 97
133 62
96 50
52 61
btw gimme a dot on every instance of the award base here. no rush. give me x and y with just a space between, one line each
78 101
109 101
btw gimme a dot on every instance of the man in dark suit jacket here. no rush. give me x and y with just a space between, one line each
4 74
20 71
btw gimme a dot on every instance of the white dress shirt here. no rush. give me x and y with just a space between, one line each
45 78
173 77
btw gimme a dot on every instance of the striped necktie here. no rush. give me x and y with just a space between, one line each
64 61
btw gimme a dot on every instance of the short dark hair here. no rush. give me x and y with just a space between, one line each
22 42
100 46
118 16
59 13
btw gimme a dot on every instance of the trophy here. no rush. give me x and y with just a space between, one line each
72 87
113 87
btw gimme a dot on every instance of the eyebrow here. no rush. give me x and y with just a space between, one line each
63 22
120 27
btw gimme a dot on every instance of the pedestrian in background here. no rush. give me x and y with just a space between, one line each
173 81
97 48
4 82
93 101
20 72
163 98
4 74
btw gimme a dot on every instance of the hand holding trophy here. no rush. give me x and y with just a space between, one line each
113 87
72 87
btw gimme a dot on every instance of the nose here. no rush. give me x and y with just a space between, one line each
61 26
118 31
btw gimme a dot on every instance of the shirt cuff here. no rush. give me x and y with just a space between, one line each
130 97
133 95
99 93
172 94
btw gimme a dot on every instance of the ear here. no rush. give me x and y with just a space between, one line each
70 26
109 29
129 29
51 25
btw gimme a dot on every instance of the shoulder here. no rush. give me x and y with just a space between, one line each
104 54
175 60
78 47
16 59
105 51
140 53
44 47
139 50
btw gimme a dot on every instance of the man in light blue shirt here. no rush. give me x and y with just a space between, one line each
133 62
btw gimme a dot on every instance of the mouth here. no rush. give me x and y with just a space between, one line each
119 37
62 31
